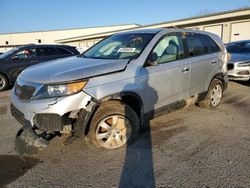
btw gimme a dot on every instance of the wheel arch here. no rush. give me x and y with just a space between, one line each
220 76
130 98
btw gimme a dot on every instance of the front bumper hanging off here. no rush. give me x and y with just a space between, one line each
28 142
49 115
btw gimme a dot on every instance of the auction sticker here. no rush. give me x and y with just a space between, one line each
126 49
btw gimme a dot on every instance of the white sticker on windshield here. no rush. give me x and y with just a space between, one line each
126 49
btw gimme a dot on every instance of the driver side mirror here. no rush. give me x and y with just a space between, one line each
152 59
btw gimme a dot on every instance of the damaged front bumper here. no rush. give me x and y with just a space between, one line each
52 114
65 114
28 142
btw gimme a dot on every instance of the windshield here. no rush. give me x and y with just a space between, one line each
121 46
5 54
243 47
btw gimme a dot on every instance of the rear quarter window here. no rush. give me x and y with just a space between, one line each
199 44
62 51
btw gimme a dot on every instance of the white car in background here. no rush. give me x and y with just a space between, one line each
239 63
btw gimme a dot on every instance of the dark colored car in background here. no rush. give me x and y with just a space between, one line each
14 61
239 63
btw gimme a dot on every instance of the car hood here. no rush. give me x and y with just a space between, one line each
237 57
72 68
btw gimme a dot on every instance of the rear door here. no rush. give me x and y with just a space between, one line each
167 73
46 53
203 55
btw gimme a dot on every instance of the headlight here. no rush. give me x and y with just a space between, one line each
61 89
245 64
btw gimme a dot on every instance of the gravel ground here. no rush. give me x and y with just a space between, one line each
192 147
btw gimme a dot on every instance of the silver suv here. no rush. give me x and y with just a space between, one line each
107 93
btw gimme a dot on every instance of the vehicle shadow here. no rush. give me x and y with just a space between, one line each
245 83
12 167
138 170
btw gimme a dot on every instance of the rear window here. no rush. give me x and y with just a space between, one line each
243 47
199 44
63 51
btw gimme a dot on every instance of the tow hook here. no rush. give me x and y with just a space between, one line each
28 142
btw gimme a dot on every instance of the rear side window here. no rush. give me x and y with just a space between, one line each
211 46
43 51
199 44
62 51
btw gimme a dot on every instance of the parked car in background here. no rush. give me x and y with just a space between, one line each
14 61
239 63
111 90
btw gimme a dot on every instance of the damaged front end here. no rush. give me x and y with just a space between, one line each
44 119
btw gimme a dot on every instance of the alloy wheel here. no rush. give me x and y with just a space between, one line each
114 131
2 82
216 95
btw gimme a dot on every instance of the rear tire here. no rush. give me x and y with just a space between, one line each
114 125
4 84
214 95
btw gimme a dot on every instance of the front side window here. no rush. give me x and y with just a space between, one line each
168 49
25 54
120 46
239 47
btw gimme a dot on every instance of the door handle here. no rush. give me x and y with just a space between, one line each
185 69
214 62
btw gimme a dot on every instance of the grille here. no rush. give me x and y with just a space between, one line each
48 122
17 114
24 92
230 66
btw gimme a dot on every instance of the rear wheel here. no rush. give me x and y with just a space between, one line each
114 125
3 83
214 95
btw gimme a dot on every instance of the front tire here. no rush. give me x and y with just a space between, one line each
214 95
3 83
114 125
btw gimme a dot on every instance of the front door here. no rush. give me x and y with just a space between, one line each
21 60
166 74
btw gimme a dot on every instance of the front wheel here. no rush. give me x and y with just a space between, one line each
214 95
114 125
